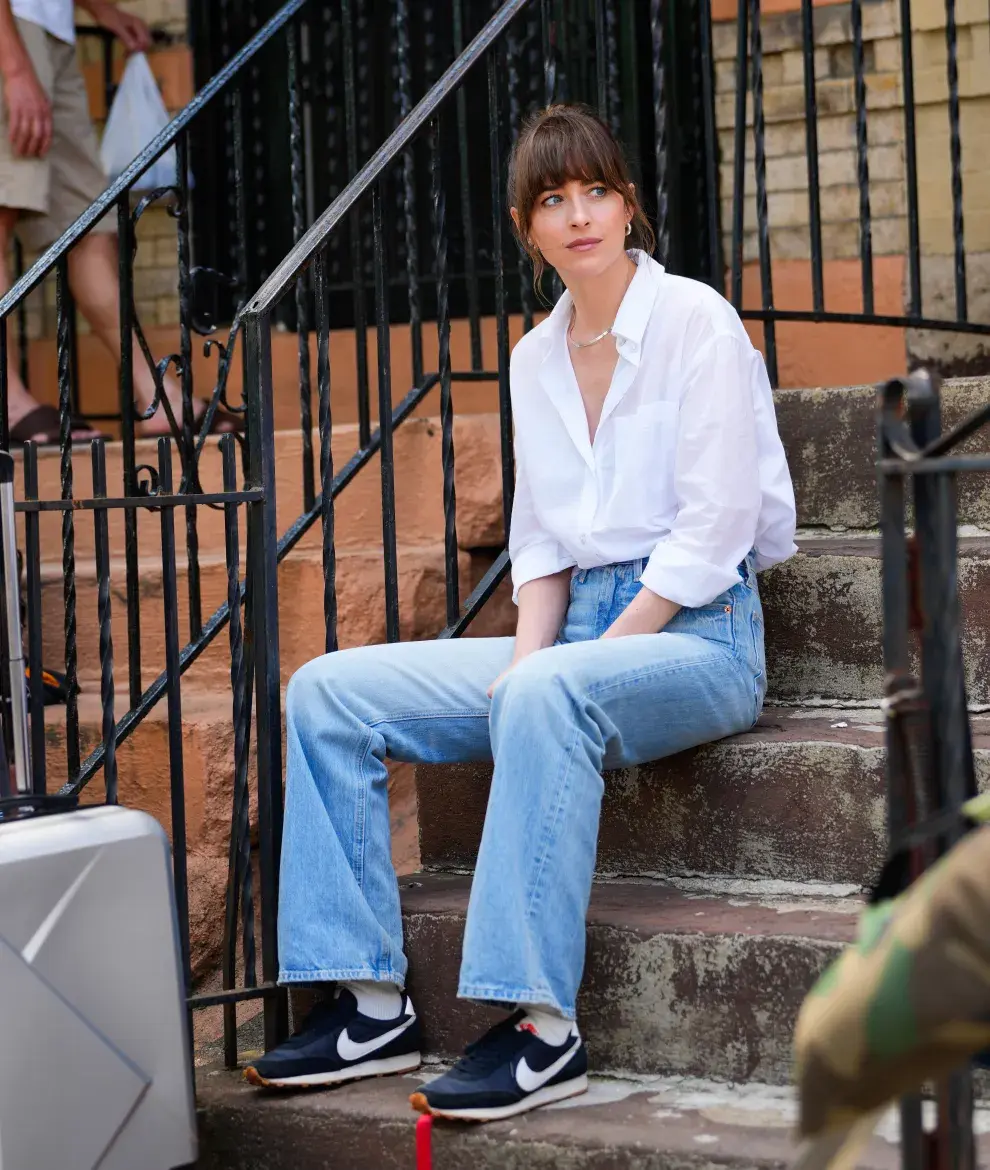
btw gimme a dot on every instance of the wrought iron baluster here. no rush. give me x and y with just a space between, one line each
955 151
102 546
326 451
385 419
467 216
439 202
709 147
514 50
501 316
614 99
190 471
32 555
739 154
170 606
811 148
4 387
862 158
410 225
911 158
661 146
262 584
297 179
125 244
357 260
549 36
68 521
601 59
240 887
22 337
763 226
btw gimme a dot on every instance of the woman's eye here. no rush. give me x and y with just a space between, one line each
552 201
599 190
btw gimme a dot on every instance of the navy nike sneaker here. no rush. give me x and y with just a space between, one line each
508 1071
336 1044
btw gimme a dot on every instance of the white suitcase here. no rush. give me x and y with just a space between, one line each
95 1066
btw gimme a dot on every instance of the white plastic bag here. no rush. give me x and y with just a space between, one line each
136 116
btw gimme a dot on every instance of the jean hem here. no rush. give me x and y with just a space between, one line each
502 995
342 974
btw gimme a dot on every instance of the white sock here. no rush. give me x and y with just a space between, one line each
550 1026
378 1001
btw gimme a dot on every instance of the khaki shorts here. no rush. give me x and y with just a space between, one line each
54 191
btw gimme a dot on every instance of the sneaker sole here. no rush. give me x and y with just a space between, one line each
407 1062
547 1096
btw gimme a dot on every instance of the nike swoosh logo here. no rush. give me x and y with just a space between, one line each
530 1081
348 1049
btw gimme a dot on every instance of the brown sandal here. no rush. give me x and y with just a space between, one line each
234 423
43 426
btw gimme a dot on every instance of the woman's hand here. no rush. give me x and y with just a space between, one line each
508 670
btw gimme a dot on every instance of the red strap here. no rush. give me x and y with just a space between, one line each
424 1155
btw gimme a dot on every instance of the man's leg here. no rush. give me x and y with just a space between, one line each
93 274
339 915
19 401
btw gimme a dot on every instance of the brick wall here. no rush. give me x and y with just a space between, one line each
787 176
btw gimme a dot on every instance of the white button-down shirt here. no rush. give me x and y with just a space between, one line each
54 15
686 468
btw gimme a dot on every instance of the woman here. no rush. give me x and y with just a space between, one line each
651 485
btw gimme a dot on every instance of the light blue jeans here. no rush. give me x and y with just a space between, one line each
558 719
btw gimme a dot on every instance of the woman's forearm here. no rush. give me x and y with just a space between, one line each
647 613
542 606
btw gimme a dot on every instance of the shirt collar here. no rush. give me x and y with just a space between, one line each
633 315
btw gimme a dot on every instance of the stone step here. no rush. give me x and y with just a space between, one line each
686 983
360 601
648 1124
798 798
830 439
824 619
357 521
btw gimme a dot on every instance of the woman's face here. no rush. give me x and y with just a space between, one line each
580 228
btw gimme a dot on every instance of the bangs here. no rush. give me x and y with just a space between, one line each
565 145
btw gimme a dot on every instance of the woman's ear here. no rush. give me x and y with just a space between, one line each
514 212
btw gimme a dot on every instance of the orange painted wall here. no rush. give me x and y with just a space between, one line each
810 354
728 9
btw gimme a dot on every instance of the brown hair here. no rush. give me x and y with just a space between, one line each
566 142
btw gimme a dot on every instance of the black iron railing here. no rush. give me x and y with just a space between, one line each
749 82
250 609
930 768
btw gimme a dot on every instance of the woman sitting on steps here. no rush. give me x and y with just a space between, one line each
651 486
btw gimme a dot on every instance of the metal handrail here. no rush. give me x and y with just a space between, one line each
285 274
151 153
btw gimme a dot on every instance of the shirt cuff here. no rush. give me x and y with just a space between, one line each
687 580
538 560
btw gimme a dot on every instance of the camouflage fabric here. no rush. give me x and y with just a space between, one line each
910 1000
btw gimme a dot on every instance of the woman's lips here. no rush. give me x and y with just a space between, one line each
585 244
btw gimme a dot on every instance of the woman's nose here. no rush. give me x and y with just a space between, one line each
579 211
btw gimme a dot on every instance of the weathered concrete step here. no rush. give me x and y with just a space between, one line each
830 438
798 798
652 1124
360 602
357 522
824 619
675 983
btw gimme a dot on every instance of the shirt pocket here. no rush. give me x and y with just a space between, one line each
643 472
